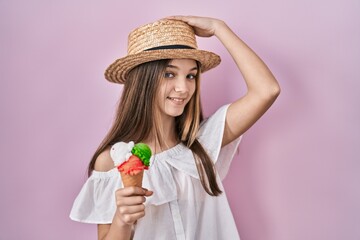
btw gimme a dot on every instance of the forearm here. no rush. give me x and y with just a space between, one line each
116 230
257 76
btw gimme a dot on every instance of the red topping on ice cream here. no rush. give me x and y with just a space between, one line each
132 166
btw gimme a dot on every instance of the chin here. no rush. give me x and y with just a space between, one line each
175 113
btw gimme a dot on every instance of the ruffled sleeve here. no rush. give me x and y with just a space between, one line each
96 200
210 136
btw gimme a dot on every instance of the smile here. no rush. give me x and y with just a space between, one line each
176 99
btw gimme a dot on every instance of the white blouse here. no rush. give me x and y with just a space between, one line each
179 208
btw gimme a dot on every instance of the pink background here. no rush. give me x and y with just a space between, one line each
297 174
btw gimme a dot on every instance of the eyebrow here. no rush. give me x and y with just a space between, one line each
173 66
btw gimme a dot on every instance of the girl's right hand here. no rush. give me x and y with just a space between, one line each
203 26
130 204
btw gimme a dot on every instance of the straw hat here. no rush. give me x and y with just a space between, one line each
164 39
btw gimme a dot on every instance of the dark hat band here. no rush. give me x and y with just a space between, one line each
170 47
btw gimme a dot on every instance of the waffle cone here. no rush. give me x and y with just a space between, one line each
132 180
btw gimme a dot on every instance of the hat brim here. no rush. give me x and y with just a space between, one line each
118 70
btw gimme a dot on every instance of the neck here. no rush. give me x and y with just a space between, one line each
164 139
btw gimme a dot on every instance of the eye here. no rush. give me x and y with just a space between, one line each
191 76
169 75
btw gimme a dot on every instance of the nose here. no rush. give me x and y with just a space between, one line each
180 85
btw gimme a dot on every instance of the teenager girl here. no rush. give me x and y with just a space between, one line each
182 195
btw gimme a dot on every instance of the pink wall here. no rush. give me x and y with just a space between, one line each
297 174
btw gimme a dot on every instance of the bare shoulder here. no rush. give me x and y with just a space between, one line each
104 162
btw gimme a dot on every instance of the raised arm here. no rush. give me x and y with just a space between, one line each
262 87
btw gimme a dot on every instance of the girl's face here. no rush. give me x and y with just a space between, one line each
177 86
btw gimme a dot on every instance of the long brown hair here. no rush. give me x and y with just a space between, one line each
136 117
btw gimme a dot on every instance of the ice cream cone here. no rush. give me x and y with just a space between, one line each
132 180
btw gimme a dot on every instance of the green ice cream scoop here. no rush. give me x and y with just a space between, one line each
142 151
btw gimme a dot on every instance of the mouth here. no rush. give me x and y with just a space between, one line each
176 100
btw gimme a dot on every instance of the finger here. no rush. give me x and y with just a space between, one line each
129 201
147 192
131 209
131 218
179 17
131 191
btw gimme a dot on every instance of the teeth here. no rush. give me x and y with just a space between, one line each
176 99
